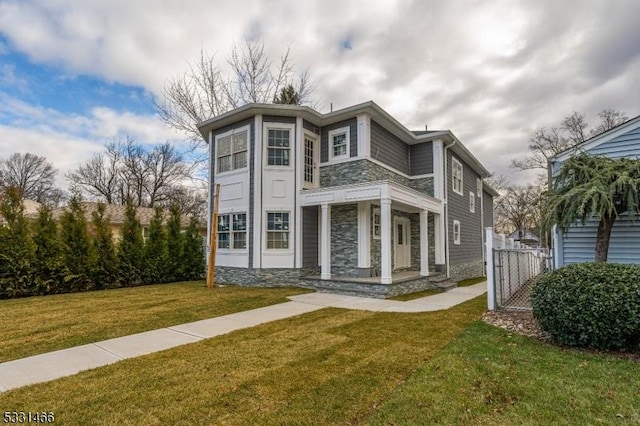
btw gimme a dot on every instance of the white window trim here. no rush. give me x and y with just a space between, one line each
224 135
292 141
266 232
454 163
335 132
376 212
456 241
472 202
230 249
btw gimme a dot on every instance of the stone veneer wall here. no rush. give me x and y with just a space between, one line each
344 240
361 171
251 277
462 271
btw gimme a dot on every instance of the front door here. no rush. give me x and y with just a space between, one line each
402 242
310 178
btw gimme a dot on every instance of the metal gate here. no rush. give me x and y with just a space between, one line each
515 272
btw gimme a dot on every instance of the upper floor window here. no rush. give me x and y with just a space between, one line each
339 144
278 147
479 187
472 202
231 152
456 173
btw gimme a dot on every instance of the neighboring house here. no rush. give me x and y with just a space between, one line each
348 196
525 237
578 243
115 215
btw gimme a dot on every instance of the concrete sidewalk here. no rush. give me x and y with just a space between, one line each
66 362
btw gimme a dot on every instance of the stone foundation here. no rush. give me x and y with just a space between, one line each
251 277
462 271
378 291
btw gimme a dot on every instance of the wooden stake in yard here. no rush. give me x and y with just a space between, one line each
213 243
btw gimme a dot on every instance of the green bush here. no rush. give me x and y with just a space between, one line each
590 305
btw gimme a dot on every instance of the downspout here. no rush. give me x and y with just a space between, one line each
446 206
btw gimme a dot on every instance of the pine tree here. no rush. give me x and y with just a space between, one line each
193 252
76 247
131 249
49 268
16 248
155 250
105 268
174 271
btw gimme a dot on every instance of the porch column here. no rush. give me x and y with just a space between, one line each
439 238
325 243
364 235
385 241
424 243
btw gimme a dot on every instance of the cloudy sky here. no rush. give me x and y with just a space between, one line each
74 74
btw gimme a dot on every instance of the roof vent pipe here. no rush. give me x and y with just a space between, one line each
426 128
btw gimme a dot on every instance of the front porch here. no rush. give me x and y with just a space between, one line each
373 234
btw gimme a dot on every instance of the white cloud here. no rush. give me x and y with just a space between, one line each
489 71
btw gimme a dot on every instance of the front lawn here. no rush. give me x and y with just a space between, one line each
36 325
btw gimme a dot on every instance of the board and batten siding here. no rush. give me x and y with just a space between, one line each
421 158
389 149
470 247
579 241
353 138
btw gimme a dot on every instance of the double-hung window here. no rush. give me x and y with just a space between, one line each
456 175
277 230
278 147
232 231
231 152
339 145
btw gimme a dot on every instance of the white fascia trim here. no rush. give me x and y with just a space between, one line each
346 130
364 135
257 195
209 198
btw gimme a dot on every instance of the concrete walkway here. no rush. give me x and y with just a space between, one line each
66 362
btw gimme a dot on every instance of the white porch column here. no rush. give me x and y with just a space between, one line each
439 234
424 243
364 235
325 243
385 241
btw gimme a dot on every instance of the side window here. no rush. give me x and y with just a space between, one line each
472 202
231 152
456 232
376 224
339 144
456 175
278 147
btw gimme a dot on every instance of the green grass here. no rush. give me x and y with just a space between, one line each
331 366
491 377
36 325
471 281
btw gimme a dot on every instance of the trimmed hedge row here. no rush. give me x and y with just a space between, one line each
590 305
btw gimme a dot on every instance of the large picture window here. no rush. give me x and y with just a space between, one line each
278 147
231 152
456 174
232 231
277 230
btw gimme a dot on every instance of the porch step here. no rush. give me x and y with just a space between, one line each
442 282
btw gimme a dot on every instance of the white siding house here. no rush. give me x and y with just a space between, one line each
577 244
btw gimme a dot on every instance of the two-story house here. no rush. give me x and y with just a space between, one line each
343 200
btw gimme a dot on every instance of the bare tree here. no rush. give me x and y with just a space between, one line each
209 88
573 130
33 175
518 209
191 201
127 173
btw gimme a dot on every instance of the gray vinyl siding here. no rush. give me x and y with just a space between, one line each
310 241
470 247
388 149
578 242
487 205
421 158
278 119
311 127
353 138
252 149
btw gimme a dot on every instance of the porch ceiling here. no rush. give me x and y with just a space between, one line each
371 191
